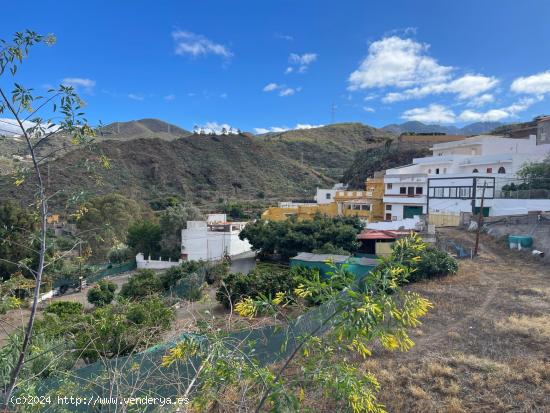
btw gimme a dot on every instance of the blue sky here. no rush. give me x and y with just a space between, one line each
269 65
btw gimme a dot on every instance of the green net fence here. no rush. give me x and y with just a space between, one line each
102 385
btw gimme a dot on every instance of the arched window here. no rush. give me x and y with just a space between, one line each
475 171
501 170
489 170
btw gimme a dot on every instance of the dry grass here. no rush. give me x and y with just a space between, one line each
483 348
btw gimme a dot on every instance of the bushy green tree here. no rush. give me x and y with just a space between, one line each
123 327
536 174
142 284
18 241
145 237
102 293
119 255
266 279
103 221
172 220
287 238
64 309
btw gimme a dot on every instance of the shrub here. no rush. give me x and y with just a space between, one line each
434 263
120 255
64 309
215 272
172 275
190 287
142 284
266 279
330 248
121 328
102 293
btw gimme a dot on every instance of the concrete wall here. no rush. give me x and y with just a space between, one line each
143 263
537 226
198 243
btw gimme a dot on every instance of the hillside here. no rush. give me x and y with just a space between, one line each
419 127
142 128
61 145
150 159
329 149
200 169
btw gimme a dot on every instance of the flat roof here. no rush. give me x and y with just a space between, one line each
382 234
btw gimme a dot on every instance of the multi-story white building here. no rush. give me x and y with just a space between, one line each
439 182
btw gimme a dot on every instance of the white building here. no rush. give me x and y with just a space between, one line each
326 196
455 174
212 239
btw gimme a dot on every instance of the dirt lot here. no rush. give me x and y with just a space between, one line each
485 347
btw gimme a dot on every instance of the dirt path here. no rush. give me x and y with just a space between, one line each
485 345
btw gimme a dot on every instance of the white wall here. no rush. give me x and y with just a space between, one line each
321 195
198 243
518 206
143 263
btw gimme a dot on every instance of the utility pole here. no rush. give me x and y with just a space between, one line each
479 219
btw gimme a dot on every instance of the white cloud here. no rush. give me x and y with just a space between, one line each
288 91
278 129
304 59
289 70
495 115
481 100
10 127
397 62
261 131
368 109
538 84
223 96
216 128
79 83
170 97
467 86
431 114
307 126
301 61
196 45
270 87
283 89
133 96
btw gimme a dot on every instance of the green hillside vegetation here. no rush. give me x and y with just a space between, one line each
150 160
197 168
330 148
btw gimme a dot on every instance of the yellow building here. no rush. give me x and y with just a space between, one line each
365 204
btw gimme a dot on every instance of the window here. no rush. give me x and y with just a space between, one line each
388 207
419 190
389 186
464 192
475 171
501 170
437 171
444 170
402 190
388 217
430 170
489 170
327 195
